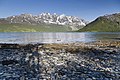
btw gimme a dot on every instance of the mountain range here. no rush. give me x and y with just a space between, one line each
106 23
43 21
46 22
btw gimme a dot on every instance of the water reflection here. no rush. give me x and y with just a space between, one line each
54 37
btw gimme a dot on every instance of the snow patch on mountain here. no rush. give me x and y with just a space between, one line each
47 18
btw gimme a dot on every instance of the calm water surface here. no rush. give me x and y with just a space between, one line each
59 37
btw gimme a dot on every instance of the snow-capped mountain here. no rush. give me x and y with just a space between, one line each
46 18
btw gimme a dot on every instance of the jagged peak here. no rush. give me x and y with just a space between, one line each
47 18
26 14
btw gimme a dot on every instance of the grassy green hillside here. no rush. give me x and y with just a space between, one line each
32 28
102 24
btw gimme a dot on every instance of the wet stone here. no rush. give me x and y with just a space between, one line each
88 79
52 63
9 62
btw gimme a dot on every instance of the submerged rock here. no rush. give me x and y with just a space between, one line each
9 62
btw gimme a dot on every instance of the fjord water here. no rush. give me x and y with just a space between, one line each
56 37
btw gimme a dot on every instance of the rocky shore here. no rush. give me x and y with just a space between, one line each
98 60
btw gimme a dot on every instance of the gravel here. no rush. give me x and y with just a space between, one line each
43 62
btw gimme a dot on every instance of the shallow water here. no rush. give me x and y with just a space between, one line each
59 37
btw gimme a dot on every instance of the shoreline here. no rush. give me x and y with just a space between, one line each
98 60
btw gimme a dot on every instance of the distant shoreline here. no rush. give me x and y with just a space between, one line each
92 43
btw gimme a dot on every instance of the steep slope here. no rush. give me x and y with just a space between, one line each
42 22
107 23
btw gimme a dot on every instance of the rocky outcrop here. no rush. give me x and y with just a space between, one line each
113 17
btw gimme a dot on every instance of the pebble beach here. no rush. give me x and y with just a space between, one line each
99 60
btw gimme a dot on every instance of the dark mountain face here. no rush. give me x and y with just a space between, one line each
3 21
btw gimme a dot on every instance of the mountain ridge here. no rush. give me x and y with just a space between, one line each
106 23
44 21
46 18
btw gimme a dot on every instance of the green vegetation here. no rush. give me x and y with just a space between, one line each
102 24
33 28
